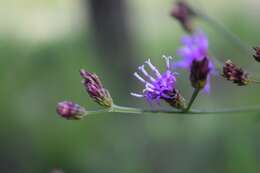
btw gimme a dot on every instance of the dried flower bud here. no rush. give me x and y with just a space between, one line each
199 72
95 89
70 110
235 74
184 14
257 53
177 101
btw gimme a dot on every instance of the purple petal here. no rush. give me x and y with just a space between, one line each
207 87
185 64
202 40
187 40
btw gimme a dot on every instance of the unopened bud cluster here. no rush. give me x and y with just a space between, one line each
257 54
235 74
95 89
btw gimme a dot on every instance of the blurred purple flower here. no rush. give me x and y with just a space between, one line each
159 86
195 48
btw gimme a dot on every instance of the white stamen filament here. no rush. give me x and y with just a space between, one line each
167 61
154 69
142 69
148 89
137 95
139 77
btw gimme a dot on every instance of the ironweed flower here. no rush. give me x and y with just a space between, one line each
70 110
160 86
257 53
193 51
95 89
235 74
184 14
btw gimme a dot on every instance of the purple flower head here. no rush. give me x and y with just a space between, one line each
70 110
95 89
159 86
195 48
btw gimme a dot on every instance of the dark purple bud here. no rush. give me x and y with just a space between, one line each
177 101
199 72
70 110
95 89
184 14
257 54
235 74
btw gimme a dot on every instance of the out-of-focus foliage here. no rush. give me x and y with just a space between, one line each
44 44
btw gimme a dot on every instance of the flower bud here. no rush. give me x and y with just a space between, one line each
177 101
184 14
235 74
70 110
199 72
95 89
257 54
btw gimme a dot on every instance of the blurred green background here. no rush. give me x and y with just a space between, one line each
44 43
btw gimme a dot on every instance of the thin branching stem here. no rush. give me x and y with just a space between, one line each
123 109
247 109
191 111
193 97
226 33
254 81
131 110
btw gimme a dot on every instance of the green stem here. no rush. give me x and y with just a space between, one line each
97 111
229 110
130 110
254 81
122 109
94 112
193 97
